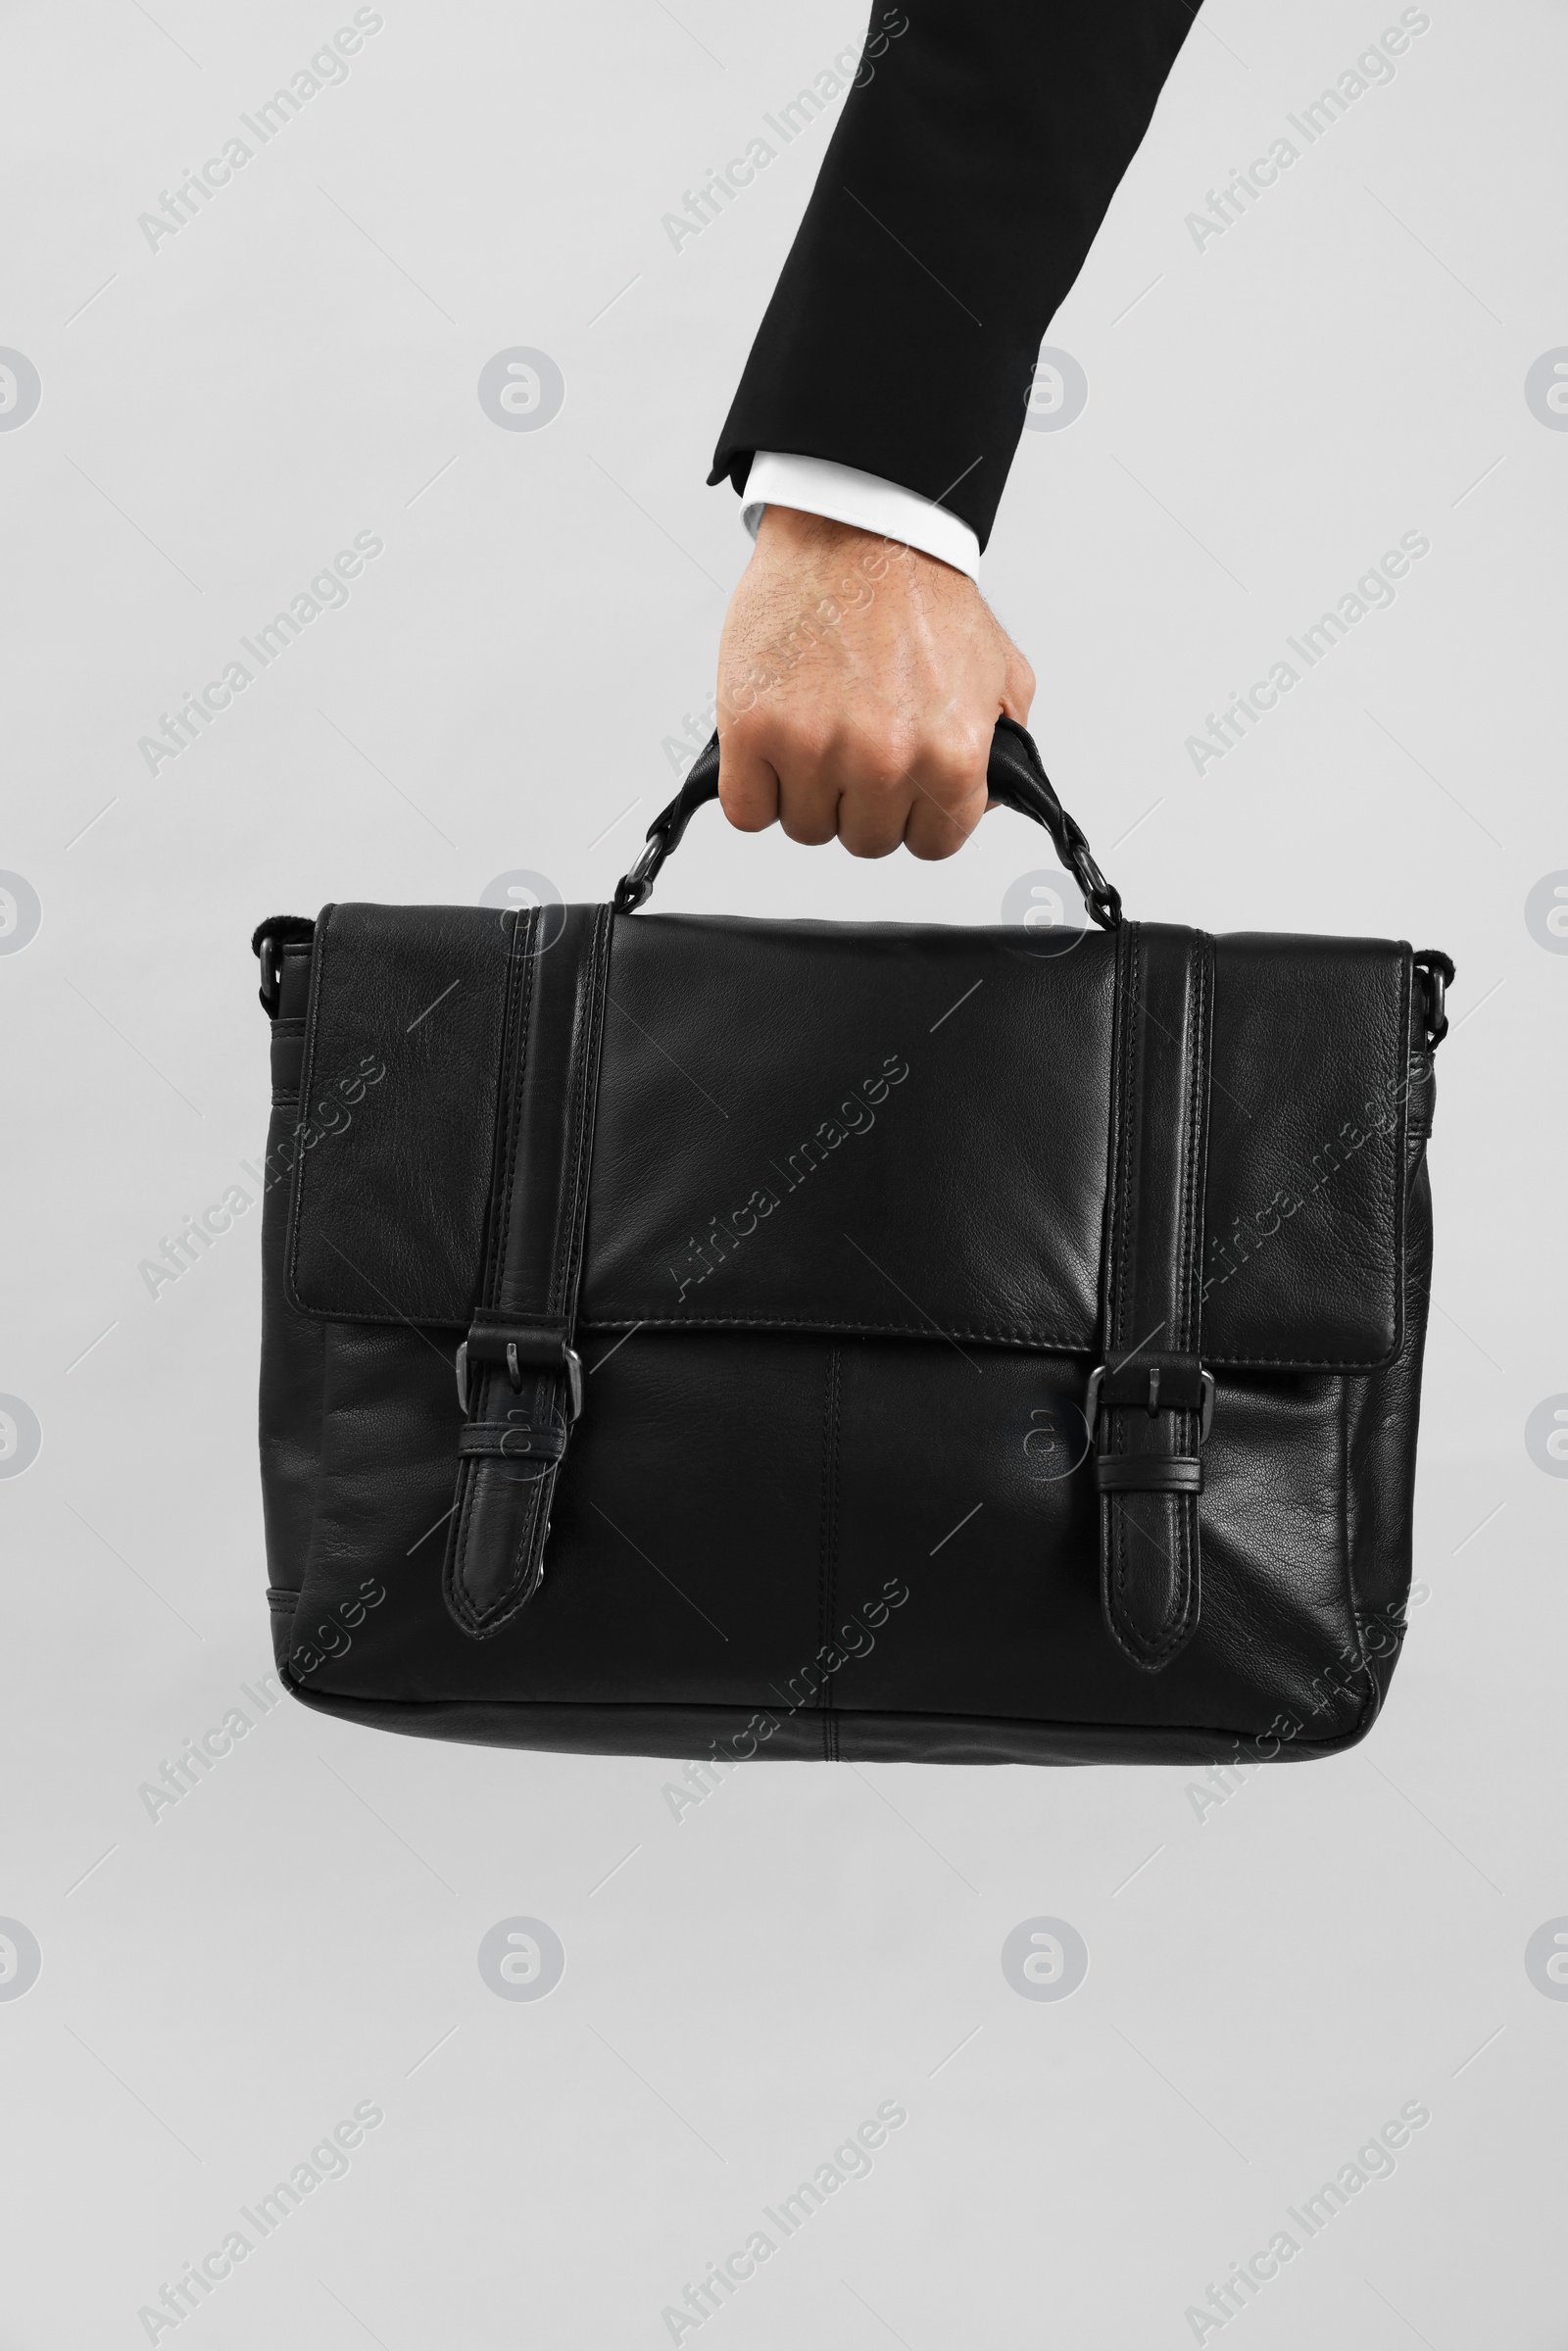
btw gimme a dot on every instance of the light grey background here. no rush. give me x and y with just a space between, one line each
1270 1978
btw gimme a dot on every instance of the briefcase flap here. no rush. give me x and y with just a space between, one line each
877 1129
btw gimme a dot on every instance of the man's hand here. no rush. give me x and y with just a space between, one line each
859 684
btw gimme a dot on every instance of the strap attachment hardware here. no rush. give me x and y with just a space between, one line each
1437 970
1135 1384
518 1349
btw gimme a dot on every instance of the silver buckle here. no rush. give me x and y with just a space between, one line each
1097 1380
573 1370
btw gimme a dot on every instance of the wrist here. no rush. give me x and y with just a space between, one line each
791 534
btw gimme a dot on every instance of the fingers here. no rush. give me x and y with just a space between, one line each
864 786
876 786
748 783
858 692
771 771
949 779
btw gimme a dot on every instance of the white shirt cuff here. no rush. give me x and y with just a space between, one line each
814 485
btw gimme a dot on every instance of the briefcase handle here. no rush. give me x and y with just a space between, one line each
1015 778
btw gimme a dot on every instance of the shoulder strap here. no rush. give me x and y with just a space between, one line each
519 1372
1150 1403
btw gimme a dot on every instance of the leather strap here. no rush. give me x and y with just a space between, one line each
1014 777
1149 1422
523 1385
1145 1473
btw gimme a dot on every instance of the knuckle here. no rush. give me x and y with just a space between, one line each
957 757
878 765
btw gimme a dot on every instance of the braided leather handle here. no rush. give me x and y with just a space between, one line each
1013 775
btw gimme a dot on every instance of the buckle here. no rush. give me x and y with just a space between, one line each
570 1364
1150 1401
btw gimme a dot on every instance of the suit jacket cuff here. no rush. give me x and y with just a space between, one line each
816 485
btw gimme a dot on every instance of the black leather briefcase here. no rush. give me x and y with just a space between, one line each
691 1335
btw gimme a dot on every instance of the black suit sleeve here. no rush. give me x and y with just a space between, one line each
956 202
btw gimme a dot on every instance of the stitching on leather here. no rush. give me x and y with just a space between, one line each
1374 1697
1399 1051
496 1270
827 1536
529 1560
475 1476
1184 1426
323 930
1003 1335
1182 1510
1179 1513
527 1569
1115 1282
1115 1526
569 1241
1226 1740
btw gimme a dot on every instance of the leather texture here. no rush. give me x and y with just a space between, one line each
840 1219
518 1345
1149 1425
